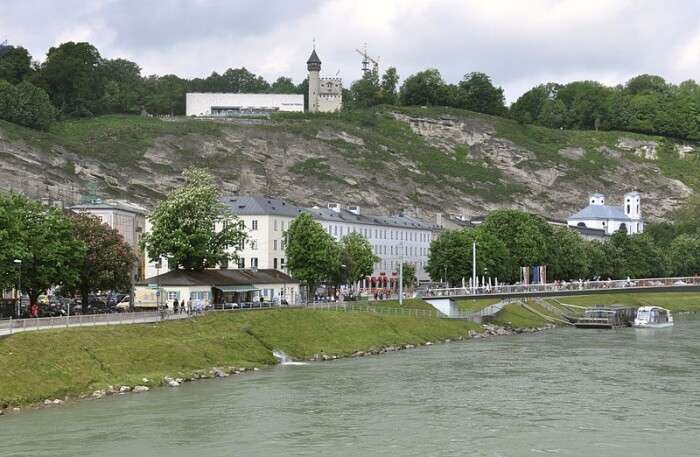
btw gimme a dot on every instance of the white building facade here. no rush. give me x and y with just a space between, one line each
610 219
233 105
394 239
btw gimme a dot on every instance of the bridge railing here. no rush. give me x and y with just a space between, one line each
563 286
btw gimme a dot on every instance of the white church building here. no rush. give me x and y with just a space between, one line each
610 219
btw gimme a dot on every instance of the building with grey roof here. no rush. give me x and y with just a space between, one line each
610 219
394 238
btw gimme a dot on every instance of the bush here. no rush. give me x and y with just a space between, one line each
27 105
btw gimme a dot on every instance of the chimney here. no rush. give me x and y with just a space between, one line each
354 209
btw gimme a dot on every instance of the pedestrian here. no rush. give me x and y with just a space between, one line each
182 306
262 301
189 307
176 305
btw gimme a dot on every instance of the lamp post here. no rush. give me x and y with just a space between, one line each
474 266
18 262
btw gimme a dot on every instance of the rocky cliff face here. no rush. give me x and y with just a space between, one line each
426 164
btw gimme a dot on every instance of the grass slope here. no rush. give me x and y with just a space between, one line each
675 301
56 363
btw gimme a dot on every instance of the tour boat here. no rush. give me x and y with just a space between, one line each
612 317
653 317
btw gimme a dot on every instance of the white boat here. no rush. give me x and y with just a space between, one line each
653 317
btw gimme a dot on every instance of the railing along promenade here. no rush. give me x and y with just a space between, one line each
11 326
568 288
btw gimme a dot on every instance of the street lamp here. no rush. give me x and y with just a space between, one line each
18 262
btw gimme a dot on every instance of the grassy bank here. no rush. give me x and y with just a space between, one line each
675 301
68 362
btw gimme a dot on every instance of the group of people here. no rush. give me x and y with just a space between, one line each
190 308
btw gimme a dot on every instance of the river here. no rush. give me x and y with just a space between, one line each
561 392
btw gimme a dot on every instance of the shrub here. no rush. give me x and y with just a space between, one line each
26 104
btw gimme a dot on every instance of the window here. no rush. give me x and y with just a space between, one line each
335 230
253 262
253 245
275 225
241 245
274 263
254 224
274 243
199 295
241 263
173 295
223 265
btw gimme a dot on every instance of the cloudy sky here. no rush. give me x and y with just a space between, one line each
518 43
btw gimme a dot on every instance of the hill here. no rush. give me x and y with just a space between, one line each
386 159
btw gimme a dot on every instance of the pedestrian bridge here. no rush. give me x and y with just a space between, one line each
563 288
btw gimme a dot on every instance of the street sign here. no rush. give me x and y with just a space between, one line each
153 286
158 293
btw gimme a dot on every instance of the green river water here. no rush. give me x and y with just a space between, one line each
563 392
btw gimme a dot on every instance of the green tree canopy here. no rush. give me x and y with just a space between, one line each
123 86
26 104
108 261
684 255
357 256
192 228
451 254
283 85
528 238
312 254
424 88
477 93
390 84
409 274
42 238
73 78
570 260
15 64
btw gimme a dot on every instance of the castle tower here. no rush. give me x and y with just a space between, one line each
314 67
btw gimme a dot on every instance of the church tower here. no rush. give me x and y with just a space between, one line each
314 67
633 210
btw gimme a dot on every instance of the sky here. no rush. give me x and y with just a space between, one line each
518 43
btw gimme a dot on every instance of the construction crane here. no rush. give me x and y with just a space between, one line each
366 60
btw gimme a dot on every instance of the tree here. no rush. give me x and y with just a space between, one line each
192 228
357 257
528 238
424 88
108 260
283 85
123 86
451 256
552 114
312 254
15 64
477 93
73 78
240 80
570 260
26 104
684 254
634 256
365 92
42 238
646 84
390 84
409 274
165 94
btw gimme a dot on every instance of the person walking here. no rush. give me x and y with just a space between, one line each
189 307
176 306
182 306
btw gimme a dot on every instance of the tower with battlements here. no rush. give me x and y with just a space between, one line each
325 94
